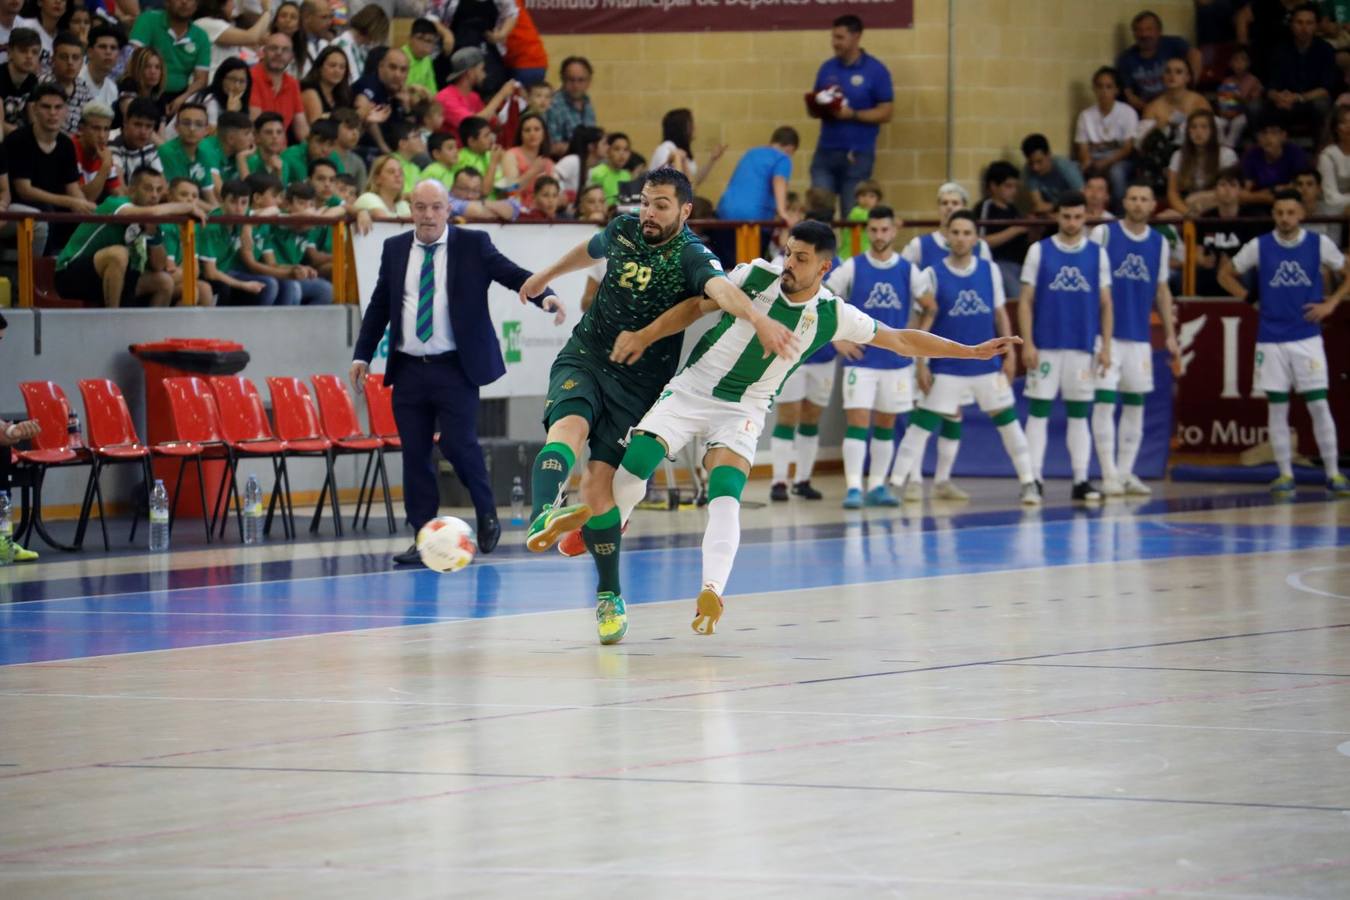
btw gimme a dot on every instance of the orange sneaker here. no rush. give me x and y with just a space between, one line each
573 544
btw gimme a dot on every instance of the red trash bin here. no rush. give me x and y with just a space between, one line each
176 357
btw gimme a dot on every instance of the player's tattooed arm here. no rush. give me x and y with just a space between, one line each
630 345
909 342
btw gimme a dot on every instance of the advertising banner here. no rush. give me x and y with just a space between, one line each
528 337
634 16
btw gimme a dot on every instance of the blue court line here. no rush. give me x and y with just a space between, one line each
878 551
368 563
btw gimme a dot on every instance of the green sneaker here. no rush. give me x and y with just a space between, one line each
1339 486
1283 485
611 617
552 524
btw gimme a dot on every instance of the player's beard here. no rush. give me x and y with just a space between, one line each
663 235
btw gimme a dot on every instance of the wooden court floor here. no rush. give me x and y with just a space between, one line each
1151 700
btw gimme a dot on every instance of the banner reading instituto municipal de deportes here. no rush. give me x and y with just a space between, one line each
631 16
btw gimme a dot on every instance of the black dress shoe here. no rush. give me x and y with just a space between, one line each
409 557
803 489
778 492
489 532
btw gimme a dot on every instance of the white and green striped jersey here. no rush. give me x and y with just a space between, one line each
729 362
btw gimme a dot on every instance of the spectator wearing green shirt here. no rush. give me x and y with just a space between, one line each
407 144
322 144
115 265
479 150
289 252
185 48
444 160
424 45
188 155
323 175
218 253
233 140
270 137
611 173
466 200
184 191
349 136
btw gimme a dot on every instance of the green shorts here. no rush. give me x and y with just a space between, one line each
604 394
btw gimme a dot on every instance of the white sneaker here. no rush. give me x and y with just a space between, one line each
1112 487
913 491
945 490
1031 495
1136 488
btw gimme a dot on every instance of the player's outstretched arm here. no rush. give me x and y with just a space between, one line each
579 257
909 342
630 345
777 339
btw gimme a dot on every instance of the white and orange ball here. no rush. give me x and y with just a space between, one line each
446 544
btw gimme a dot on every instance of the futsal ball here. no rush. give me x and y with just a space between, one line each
446 544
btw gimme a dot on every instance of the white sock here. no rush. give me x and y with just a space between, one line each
720 540
1131 437
808 445
855 452
781 451
1037 427
883 451
1324 429
1015 442
1080 448
910 455
1104 436
1277 420
946 458
628 492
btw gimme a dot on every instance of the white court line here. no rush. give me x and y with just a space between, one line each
861 585
1295 581
723 713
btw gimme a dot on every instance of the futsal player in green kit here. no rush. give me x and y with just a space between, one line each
654 262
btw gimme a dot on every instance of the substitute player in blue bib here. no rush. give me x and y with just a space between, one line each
1290 355
878 385
1063 311
966 304
1139 268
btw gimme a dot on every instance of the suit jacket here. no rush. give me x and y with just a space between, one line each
472 262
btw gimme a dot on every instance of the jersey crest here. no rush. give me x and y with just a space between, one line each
1070 279
1290 274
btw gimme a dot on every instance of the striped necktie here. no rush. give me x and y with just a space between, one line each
426 292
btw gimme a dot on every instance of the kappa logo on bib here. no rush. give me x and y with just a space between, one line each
1070 279
1290 274
969 303
883 296
1132 267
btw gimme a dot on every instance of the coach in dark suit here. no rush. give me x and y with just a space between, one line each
432 293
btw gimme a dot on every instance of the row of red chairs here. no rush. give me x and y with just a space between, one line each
223 419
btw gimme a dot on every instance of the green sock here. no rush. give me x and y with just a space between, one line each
551 468
601 534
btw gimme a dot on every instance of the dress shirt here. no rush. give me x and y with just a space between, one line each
442 337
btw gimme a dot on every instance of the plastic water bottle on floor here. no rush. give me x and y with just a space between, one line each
6 529
159 518
253 511
517 502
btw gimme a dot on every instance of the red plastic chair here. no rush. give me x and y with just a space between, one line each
196 421
113 440
51 449
298 425
380 412
243 421
341 426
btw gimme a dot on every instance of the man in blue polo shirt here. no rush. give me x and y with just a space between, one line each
848 134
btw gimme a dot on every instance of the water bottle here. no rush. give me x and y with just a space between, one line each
6 530
517 502
74 440
253 511
159 518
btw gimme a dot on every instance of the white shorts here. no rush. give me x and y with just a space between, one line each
813 383
951 392
889 391
679 416
1131 369
1070 372
1300 366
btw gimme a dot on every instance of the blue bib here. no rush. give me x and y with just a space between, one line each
1067 315
965 313
885 296
1134 280
1291 277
